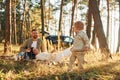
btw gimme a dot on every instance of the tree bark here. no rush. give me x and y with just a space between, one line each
108 14
72 17
61 13
23 28
94 37
99 27
15 35
118 46
89 21
49 14
43 32
7 26
60 23
42 16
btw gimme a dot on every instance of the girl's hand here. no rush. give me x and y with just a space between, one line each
71 49
85 49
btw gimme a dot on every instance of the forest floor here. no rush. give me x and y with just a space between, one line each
95 69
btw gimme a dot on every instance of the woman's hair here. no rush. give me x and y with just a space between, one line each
79 25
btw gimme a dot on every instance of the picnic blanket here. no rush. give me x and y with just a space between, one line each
57 57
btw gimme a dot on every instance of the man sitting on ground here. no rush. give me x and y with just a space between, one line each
31 47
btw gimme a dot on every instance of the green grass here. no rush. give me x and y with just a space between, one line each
30 70
16 70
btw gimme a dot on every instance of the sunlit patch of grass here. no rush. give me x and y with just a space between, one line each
93 56
2 75
95 69
1 48
106 77
42 71
14 50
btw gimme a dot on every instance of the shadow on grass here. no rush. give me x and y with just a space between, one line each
16 66
103 72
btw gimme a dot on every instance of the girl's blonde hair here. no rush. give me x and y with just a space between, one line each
79 25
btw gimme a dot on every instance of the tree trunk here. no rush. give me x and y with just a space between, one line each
99 27
15 36
94 37
60 22
29 24
108 15
72 17
8 27
118 46
61 13
89 21
43 32
49 14
42 16
76 9
20 27
23 28
0 17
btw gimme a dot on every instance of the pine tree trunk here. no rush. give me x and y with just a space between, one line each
15 35
24 22
43 32
94 37
49 14
72 17
29 24
19 22
61 13
60 22
42 16
0 20
108 20
89 21
7 27
23 27
99 27
118 46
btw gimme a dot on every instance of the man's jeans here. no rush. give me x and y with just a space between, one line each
25 55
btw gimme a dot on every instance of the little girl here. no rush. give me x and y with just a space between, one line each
80 45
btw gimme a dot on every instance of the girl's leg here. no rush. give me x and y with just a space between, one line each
72 60
80 58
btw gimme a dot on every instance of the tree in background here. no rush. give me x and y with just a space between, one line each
89 20
28 15
60 23
42 16
14 24
118 46
72 17
99 27
108 15
23 27
8 26
61 13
